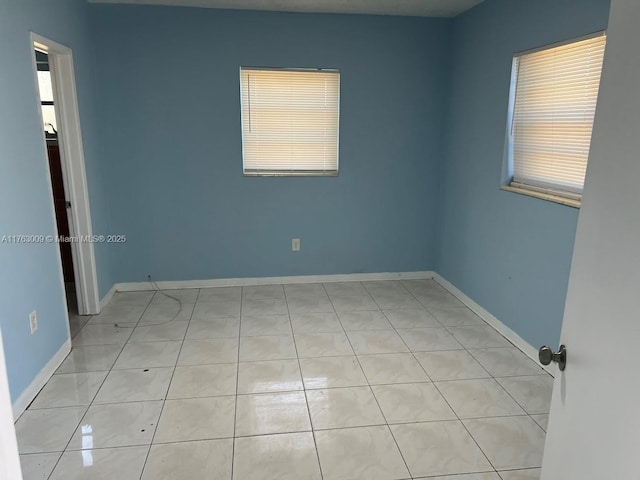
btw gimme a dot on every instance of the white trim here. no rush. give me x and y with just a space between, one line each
72 158
40 47
27 396
235 282
107 298
500 327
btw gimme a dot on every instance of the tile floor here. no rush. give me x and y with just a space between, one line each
377 380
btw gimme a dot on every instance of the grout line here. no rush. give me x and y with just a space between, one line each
166 394
521 406
304 387
235 409
441 394
66 448
406 465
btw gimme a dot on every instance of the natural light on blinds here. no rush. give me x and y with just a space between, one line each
555 104
290 121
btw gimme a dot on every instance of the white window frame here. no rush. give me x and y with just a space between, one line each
293 169
566 196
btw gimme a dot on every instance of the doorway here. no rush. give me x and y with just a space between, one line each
56 93
60 202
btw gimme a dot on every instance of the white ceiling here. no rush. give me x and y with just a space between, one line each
415 8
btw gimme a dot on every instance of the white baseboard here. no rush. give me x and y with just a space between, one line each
236 282
23 401
107 298
500 327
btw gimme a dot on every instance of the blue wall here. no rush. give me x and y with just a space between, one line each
423 117
30 275
170 110
508 252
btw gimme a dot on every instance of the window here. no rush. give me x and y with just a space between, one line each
46 94
290 121
554 97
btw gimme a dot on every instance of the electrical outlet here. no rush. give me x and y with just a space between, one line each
33 322
295 244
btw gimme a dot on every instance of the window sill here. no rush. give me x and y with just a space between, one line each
549 197
267 173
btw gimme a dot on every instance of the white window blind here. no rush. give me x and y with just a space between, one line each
290 121
554 107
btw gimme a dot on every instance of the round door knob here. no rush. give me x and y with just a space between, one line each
546 356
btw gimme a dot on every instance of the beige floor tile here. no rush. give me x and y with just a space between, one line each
468 476
478 398
439 448
116 425
69 389
215 309
49 430
265 325
392 368
315 323
267 413
161 313
92 358
103 334
264 306
210 459
196 419
542 420
142 384
290 456
533 392
213 328
123 463
204 381
509 442
411 318
330 372
305 290
412 402
185 295
478 336
451 365
529 474
364 453
429 339
208 351
263 291
376 341
457 317
269 376
506 362
162 332
364 320
309 304
38 466
343 407
272 347
311 345
148 355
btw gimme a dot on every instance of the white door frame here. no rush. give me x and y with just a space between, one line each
73 170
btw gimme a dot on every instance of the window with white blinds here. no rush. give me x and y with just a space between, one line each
554 103
290 121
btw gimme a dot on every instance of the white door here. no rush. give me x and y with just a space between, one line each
594 428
